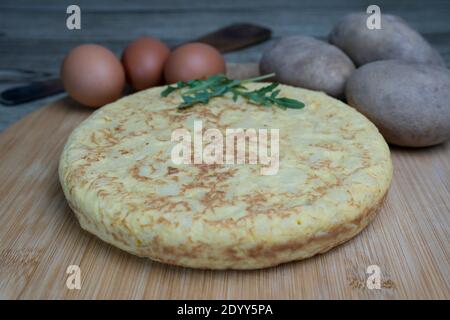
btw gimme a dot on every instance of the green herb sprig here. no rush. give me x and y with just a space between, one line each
201 91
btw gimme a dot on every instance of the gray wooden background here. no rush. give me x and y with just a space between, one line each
34 37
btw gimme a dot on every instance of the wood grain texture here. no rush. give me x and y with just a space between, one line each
40 237
33 34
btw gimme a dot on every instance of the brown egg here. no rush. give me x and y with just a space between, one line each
92 75
143 61
193 61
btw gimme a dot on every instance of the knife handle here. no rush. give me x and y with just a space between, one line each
236 36
32 91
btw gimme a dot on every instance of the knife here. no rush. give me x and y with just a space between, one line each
230 38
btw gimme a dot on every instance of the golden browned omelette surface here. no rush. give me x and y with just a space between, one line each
118 177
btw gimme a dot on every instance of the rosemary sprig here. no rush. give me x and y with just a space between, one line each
201 91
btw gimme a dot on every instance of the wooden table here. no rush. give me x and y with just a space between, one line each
34 37
39 236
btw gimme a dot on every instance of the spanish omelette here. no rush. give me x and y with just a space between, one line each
117 175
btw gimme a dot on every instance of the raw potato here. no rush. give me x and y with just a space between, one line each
409 103
309 63
395 40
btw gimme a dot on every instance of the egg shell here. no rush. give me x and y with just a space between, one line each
193 61
92 75
143 60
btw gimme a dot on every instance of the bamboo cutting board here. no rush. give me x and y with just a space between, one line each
40 237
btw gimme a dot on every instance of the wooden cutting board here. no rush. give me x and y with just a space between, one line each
40 238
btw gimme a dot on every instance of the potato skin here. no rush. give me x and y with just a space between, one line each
395 40
409 103
309 63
